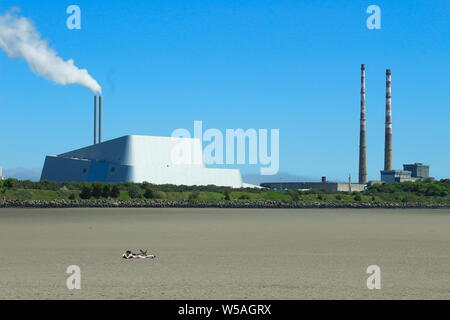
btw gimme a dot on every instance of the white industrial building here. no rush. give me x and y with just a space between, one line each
158 160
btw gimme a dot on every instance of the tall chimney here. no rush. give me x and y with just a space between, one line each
95 120
362 130
388 127
100 110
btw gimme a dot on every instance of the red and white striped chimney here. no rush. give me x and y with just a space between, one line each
362 130
388 125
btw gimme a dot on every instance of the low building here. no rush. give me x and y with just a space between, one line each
157 160
326 186
396 176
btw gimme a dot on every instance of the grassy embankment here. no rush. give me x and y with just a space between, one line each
421 191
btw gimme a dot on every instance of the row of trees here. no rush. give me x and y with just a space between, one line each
12 183
101 190
406 190
429 188
98 190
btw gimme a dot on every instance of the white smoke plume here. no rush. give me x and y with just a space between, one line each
20 39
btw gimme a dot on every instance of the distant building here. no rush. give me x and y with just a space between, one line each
1 173
396 176
418 170
411 172
324 185
138 159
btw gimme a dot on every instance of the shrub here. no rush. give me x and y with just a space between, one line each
86 192
134 193
97 190
72 196
357 197
106 191
10 183
433 190
294 194
194 195
227 196
149 194
244 197
115 192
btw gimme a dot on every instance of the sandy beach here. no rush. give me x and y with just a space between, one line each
225 253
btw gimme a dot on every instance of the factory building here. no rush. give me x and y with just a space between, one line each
418 170
134 158
410 172
395 176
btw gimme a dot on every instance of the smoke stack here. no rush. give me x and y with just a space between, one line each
388 127
95 120
362 130
100 111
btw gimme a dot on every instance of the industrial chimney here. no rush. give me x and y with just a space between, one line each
362 130
98 109
388 126
95 120
100 118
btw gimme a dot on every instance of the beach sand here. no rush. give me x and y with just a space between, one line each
225 253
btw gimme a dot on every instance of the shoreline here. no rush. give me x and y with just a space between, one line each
60 204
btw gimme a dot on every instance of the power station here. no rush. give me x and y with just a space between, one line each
410 172
135 158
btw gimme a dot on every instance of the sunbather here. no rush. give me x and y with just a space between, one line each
143 255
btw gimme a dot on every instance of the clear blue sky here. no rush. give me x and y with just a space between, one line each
291 65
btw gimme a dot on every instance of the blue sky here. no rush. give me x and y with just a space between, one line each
288 65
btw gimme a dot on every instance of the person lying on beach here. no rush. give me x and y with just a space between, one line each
143 255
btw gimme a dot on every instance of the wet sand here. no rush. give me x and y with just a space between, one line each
225 253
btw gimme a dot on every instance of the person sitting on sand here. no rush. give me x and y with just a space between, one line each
143 255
